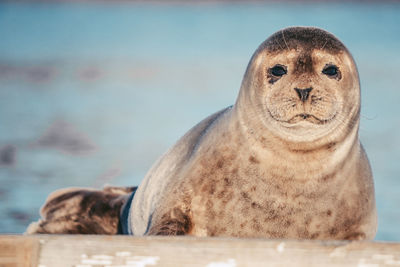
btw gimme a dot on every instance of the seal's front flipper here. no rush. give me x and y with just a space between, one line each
175 222
82 211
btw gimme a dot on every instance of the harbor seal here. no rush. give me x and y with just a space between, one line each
285 161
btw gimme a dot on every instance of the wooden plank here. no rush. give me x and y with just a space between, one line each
18 251
126 251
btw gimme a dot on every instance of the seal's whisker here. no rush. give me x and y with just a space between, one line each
283 35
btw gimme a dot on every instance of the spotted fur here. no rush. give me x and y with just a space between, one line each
276 164
82 211
262 168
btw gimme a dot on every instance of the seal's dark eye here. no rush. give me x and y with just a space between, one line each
330 70
278 70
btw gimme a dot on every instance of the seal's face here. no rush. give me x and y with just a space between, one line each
305 84
300 90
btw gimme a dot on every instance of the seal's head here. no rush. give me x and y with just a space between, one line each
303 84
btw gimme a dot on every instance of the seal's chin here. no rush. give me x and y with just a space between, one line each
303 126
309 118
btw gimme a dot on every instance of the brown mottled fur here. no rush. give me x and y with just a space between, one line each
274 165
81 211
259 169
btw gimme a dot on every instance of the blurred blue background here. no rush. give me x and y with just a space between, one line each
92 93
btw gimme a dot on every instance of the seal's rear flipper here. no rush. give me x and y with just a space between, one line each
82 211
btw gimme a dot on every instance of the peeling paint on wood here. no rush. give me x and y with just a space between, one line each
127 251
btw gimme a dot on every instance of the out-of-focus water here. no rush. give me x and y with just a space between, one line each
94 93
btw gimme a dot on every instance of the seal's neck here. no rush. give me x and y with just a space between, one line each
298 159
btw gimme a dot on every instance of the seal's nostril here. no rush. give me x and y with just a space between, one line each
303 93
304 116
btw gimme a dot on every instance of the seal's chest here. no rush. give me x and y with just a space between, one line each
240 207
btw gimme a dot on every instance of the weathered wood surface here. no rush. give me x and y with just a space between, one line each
125 251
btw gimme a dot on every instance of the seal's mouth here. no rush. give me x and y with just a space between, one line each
303 117
308 117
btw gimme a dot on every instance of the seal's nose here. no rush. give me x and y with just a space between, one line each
303 93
